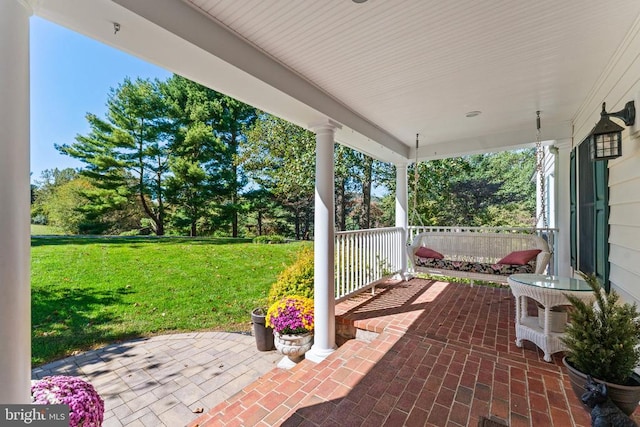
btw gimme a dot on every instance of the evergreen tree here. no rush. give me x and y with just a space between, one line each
191 190
208 128
128 152
264 215
234 121
344 159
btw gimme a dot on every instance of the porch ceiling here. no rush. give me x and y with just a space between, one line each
384 70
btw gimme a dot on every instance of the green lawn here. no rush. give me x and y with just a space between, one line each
87 292
44 230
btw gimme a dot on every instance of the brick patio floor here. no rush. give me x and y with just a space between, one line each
440 354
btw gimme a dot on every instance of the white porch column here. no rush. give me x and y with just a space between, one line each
15 298
323 245
402 219
563 239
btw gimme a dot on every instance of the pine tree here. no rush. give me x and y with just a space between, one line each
127 153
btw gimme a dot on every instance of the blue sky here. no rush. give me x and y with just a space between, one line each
71 76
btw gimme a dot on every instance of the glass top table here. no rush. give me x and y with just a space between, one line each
548 292
552 282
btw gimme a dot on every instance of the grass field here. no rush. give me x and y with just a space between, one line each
44 230
87 292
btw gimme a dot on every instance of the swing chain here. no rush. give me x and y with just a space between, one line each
414 212
540 168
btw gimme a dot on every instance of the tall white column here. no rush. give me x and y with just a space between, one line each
323 245
563 206
402 220
15 298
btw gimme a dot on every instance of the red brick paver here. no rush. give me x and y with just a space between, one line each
445 356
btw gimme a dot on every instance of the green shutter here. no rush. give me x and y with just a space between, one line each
601 221
589 214
573 218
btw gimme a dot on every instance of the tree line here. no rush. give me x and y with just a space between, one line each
175 157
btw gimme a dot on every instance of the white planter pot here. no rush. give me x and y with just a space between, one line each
293 347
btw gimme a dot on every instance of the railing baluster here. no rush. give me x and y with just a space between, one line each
364 256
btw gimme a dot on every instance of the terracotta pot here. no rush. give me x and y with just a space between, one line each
625 397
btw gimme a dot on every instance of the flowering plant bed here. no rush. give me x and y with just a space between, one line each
292 315
85 404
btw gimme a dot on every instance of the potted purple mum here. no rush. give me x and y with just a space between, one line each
292 321
86 407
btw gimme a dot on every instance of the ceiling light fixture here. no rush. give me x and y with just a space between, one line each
606 136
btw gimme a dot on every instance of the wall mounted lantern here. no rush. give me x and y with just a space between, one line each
606 136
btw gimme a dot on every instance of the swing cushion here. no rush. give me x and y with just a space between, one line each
424 252
476 267
520 257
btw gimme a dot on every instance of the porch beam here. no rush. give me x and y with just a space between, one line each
324 245
15 302
402 219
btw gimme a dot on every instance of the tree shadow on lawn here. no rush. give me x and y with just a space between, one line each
68 320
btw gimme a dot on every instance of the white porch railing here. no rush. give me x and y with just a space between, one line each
549 234
364 257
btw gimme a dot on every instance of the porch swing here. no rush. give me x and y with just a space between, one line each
473 255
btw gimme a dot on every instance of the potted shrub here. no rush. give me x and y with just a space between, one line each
602 340
292 321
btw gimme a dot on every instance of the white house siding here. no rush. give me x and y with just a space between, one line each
620 83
